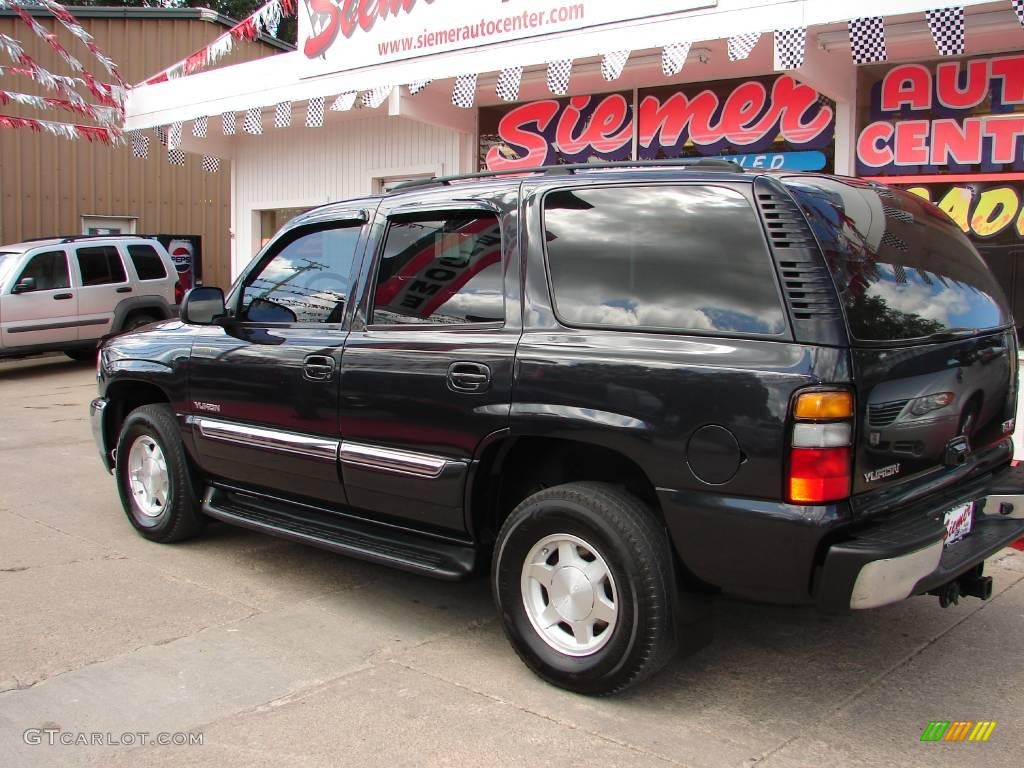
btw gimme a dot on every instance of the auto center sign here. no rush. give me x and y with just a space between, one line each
344 34
773 122
953 133
960 116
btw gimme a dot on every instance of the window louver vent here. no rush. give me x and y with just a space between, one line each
898 214
805 280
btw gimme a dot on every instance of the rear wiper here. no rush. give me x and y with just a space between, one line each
951 334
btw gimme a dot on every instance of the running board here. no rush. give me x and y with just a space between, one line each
396 547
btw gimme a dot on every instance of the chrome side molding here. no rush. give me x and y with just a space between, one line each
392 460
278 440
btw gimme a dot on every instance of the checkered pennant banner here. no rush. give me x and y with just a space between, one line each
174 136
344 102
558 76
199 127
374 98
740 46
947 26
508 83
464 92
613 63
315 112
283 114
790 45
418 86
252 123
161 134
229 123
1018 8
175 157
673 57
211 164
867 40
140 144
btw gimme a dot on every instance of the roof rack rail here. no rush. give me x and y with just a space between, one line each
704 163
73 238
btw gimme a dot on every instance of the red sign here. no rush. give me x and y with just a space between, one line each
961 117
754 116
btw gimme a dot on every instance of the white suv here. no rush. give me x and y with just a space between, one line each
64 294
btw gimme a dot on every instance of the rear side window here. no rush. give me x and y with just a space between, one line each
100 264
49 270
684 258
904 270
147 262
441 269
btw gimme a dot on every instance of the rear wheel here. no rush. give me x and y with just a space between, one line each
582 578
156 486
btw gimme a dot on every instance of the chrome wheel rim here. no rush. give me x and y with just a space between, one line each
147 476
570 595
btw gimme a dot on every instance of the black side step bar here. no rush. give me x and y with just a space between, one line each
387 545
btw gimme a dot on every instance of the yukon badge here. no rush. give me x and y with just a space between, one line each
208 407
881 473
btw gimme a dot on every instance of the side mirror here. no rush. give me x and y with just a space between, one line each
25 285
203 306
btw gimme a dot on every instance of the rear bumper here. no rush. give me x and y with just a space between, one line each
97 411
905 555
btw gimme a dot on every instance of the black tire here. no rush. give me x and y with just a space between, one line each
137 321
179 517
621 530
82 354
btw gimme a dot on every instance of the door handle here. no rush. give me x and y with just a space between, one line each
318 367
63 296
469 377
125 289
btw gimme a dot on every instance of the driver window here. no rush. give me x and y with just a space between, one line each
307 281
49 270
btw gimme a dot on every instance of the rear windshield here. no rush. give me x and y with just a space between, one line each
903 268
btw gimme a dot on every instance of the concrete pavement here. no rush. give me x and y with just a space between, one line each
284 655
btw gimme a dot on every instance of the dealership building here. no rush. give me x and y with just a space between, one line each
925 95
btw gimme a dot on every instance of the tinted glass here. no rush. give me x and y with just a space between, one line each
441 270
903 268
49 270
673 258
100 264
307 281
147 262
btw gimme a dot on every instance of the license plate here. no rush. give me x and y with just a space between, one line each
958 522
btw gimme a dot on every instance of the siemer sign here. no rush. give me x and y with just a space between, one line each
336 35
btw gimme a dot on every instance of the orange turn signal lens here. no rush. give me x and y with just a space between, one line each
824 405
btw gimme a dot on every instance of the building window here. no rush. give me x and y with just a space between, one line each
272 219
108 225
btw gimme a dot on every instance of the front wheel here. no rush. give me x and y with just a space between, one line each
582 578
157 490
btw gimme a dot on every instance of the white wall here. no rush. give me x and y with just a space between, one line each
301 166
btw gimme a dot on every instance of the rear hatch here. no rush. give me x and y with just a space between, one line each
933 349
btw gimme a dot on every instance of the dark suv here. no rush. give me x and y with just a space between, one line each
618 386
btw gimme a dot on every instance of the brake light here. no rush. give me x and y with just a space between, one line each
179 292
820 453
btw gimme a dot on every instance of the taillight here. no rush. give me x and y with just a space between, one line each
820 453
179 292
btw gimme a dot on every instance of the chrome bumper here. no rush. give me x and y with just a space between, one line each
881 582
97 410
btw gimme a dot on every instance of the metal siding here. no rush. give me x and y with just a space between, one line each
49 183
301 166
